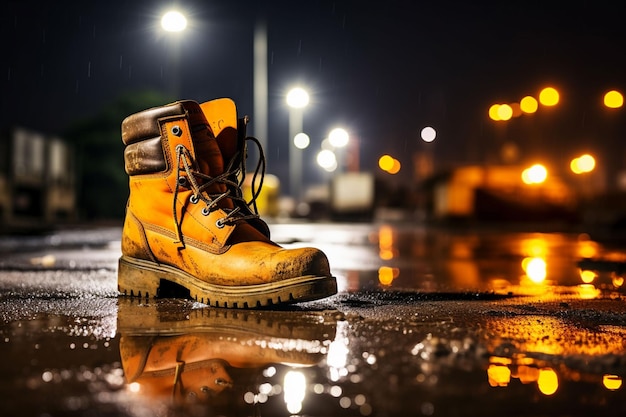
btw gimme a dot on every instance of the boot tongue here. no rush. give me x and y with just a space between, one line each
207 152
221 114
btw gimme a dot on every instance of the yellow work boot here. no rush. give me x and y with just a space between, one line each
187 222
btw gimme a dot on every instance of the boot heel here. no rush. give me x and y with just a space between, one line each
135 281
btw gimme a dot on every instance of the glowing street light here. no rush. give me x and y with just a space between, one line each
297 98
327 160
428 134
536 174
500 112
505 112
338 137
173 21
613 99
549 96
389 164
301 140
528 104
583 164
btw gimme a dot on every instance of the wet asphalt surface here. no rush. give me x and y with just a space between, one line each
426 322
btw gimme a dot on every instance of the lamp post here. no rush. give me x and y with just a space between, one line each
174 22
297 100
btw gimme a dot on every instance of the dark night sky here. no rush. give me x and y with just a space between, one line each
383 69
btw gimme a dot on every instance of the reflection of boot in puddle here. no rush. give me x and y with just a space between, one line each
174 351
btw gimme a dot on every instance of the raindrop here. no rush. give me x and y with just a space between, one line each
120 61
89 69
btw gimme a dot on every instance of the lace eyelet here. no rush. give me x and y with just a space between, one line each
194 199
205 211
182 181
177 131
220 224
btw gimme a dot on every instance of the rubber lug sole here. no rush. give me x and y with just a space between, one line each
145 279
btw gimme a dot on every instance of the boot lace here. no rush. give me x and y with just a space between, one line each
233 178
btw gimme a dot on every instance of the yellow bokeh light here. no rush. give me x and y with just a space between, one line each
617 280
395 168
505 112
582 164
529 104
535 268
527 374
548 381
587 276
587 291
536 174
493 112
586 163
385 162
613 99
549 96
587 249
385 243
386 274
612 382
498 375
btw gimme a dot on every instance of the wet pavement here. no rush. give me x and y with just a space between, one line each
427 321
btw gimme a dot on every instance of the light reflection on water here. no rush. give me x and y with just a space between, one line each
519 263
183 359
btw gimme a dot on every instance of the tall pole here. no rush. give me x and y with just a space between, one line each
260 116
295 154
297 100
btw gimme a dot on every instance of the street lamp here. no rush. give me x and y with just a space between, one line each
327 160
339 138
301 140
297 100
428 134
174 22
